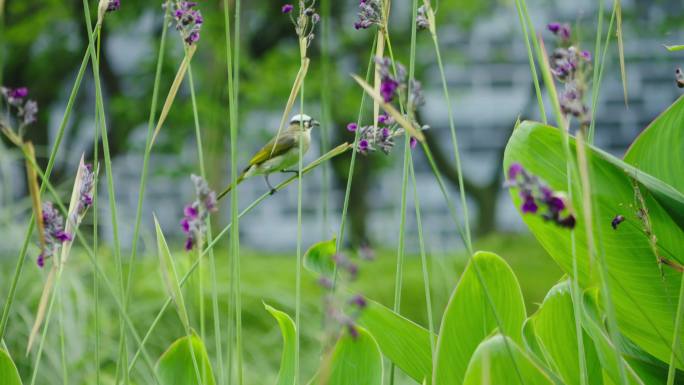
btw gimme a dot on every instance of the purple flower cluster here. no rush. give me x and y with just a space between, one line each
390 83
196 214
113 5
53 232
188 20
370 13
305 22
568 65
538 198
27 109
561 30
616 221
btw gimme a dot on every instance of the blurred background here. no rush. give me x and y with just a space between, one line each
489 80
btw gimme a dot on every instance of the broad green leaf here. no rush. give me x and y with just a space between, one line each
402 341
319 258
644 300
659 149
469 318
555 334
355 360
175 366
286 374
499 360
170 276
8 371
606 351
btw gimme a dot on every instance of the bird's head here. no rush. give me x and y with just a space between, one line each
302 122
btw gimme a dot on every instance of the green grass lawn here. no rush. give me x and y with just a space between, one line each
266 278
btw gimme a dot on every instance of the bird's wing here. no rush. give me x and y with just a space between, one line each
274 148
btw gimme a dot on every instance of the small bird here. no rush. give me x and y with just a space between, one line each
279 153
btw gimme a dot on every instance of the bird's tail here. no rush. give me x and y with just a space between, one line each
239 179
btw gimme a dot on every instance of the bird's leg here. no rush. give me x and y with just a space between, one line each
271 189
296 172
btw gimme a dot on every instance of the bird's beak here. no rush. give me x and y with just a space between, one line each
315 123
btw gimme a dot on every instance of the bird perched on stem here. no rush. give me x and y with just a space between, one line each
280 153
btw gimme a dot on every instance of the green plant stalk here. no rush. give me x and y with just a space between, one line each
96 284
326 117
146 156
123 357
597 78
200 155
89 251
398 275
235 233
530 57
43 336
48 171
332 153
231 108
423 260
454 142
352 162
212 262
595 81
65 371
298 272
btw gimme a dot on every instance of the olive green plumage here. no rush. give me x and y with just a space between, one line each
280 153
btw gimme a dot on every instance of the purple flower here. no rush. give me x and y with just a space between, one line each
616 221
385 119
529 205
188 21
561 30
185 225
352 127
413 142
385 132
370 13
364 146
18 93
538 198
514 170
53 232
196 214
287 8
359 301
388 88
586 55
113 5
189 244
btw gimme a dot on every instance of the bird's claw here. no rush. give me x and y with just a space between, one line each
273 191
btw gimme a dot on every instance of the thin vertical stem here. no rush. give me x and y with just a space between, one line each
110 178
423 260
326 118
352 162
